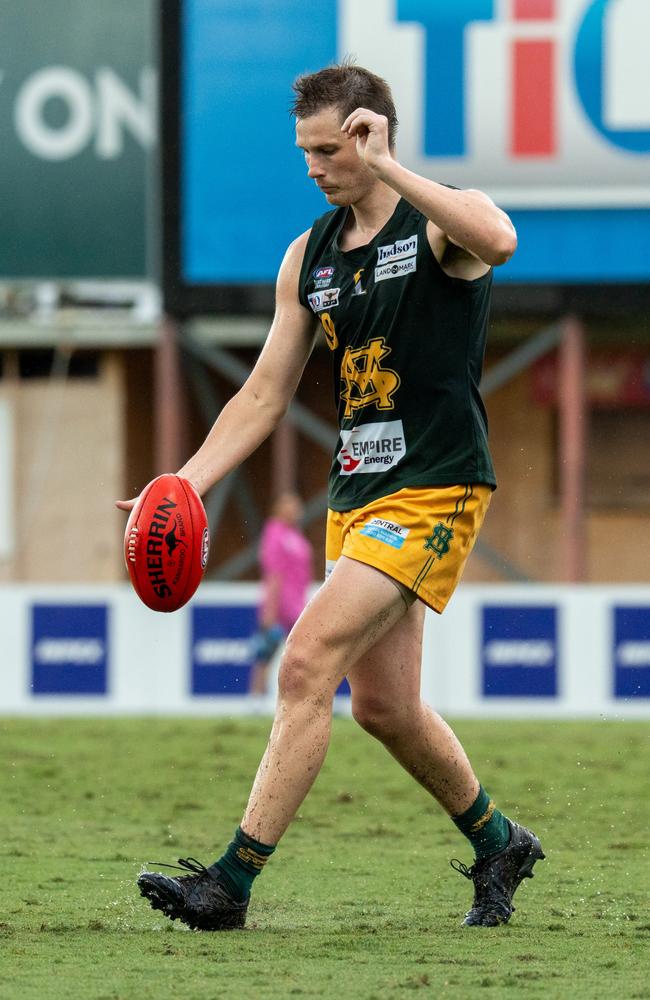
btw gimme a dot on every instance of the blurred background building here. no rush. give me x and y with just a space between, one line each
151 187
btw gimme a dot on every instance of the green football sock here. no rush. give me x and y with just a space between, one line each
484 826
241 864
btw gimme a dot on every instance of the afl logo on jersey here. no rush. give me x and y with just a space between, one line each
322 277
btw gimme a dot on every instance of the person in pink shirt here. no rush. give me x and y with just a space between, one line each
285 558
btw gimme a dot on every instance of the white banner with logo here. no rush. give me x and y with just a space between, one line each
499 651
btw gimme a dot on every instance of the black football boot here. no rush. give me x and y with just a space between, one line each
497 877
200 900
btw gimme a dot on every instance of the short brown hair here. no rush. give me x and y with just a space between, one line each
346 87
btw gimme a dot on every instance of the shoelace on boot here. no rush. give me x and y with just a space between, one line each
480 901
184 864
461 868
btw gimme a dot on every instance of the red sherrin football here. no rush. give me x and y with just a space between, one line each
166 543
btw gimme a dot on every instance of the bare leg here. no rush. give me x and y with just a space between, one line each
347 617
259 677
386 701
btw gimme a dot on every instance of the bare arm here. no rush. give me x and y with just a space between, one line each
256 409
468 219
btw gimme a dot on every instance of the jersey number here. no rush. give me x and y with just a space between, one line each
330 332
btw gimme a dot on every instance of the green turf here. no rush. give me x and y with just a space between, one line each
359 900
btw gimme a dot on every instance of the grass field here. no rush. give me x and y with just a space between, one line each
359 900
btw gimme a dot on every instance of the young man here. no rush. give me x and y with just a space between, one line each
398 277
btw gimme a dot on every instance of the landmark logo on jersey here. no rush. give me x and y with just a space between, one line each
397 270
372 448
365 381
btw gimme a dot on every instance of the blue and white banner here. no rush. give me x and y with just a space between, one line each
222 648
632 652
547 651
519 654
69 649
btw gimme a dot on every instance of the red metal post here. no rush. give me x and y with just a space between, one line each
169 401
572 403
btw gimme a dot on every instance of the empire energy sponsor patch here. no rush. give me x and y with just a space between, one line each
372 447
386 531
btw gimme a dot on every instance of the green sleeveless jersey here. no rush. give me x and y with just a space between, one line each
407 343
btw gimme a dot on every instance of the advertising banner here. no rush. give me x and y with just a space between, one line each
498 651
519 652
632 652
222 648
544 104
78 108
69 649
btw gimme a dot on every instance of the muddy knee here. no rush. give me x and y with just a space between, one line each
381 718
304 673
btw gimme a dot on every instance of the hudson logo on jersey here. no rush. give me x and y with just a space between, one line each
397 259
372 448
398 250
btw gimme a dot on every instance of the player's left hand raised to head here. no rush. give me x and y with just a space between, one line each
371 133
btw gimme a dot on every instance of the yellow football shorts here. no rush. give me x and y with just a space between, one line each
419 537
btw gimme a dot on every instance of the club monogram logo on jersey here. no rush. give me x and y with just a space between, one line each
439 540
365 381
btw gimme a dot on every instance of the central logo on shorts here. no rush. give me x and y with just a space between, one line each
365 381
439 540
